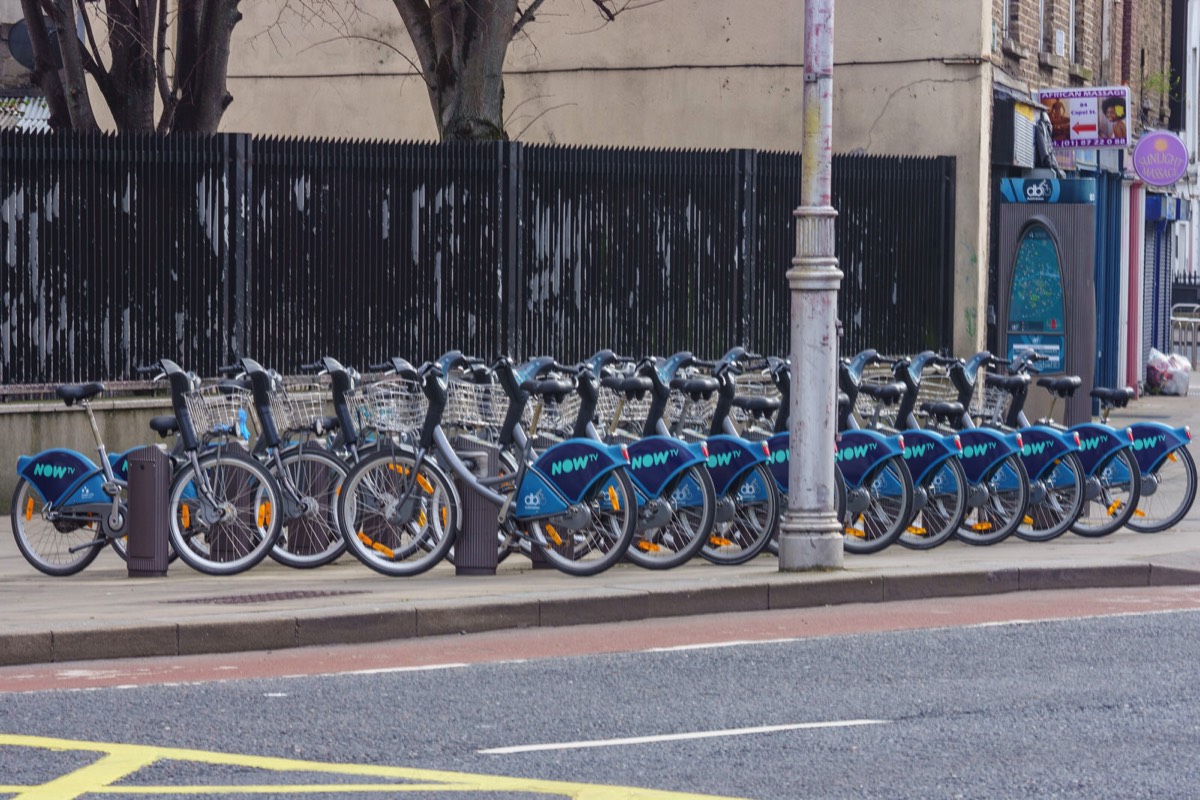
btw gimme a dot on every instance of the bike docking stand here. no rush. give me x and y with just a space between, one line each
149 483
475 547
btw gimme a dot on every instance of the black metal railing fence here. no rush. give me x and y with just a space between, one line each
118 250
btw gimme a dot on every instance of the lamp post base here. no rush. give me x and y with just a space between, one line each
810 542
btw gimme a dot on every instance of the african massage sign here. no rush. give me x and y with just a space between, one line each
1160 158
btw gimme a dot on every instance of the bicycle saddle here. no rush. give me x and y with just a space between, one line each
632 386
943 411
74 392
1119 398
551 389
757 406
1009 383
887 393
164 425
1064 386
695 388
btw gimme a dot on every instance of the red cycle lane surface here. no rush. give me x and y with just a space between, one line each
447 652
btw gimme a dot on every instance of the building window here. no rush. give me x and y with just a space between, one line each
1044 27
1075 29
1011 18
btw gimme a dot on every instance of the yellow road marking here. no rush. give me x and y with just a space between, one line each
120 761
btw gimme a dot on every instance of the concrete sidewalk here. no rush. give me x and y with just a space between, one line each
102 613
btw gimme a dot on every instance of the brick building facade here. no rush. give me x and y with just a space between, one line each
1061 43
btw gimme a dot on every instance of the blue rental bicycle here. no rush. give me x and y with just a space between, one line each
65 508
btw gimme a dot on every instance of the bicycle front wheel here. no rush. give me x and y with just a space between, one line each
224 518
1059 502
753 505
689 503
590 547
397 519
1167 494
1002 496
1111 496
879 508
62 545
310 535
942 495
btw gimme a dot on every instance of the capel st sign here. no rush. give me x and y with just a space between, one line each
1160 158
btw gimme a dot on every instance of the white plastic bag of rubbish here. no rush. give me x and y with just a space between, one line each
1168 374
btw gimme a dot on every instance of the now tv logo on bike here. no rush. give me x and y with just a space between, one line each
648 460
574 464
855 452
52 471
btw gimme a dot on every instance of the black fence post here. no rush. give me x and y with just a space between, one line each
747 233
512 188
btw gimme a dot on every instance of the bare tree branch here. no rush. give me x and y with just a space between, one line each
416 67
527 16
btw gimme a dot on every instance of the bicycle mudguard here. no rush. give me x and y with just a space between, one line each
859 451
982 449
655 460
729 457
1097 442
567 470
1042 447
59 476
1154 441
925 451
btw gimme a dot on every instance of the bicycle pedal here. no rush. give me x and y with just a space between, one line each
1114 508
915 531
553 534
648 547
981 526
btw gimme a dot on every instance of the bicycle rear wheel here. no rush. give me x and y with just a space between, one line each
395 518
754 503
943 507
596 545
1110 496
690 502
225 519
879 508
1002 496
1059 503
1167 494
47 545
310 535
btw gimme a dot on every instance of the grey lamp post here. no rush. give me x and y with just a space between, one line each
810 536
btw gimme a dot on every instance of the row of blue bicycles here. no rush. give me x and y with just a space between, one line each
652 461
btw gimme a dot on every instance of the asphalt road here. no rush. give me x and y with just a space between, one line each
1089 707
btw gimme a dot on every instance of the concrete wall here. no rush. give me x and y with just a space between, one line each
28 428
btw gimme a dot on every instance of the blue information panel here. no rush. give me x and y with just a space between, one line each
1035 308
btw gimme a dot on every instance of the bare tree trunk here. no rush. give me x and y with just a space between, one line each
202 60
45 75
131 85
73 82
461 45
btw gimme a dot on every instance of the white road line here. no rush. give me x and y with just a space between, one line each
714 645
677 737
385 670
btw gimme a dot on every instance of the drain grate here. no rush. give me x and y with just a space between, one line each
266 597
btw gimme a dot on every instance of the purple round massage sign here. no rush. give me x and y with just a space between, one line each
1160 158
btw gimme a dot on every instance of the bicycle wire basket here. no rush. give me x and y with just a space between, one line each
393 405
222 410
555 419
475 405
298 406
